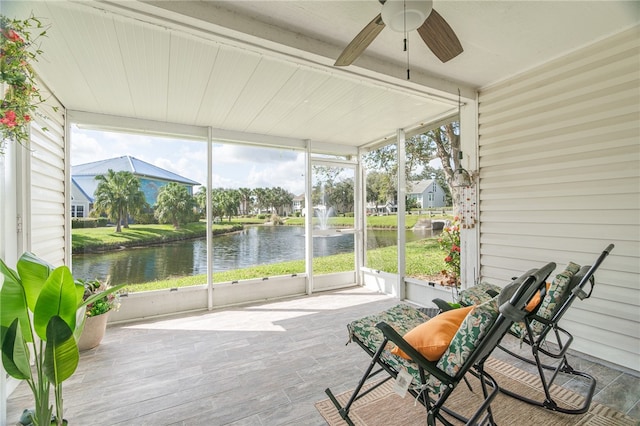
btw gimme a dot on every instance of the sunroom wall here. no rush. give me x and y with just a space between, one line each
559 158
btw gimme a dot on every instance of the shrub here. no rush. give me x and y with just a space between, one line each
450 242
87 222
145 219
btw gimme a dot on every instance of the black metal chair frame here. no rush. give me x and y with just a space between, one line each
539 344
511 311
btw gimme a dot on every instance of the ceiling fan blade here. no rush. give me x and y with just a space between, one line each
360 42
439 37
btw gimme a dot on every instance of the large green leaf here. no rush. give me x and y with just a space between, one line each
13 301
61 352
15 354
58 297
33 273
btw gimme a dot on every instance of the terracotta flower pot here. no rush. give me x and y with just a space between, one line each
93 332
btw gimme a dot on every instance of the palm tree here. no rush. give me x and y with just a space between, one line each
174 204
230 202
201 199
135 200
117 195
245 199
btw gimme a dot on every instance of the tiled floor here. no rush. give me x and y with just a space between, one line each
256 365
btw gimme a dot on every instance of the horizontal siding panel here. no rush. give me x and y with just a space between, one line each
565 102
613 232
49 233
622 350
564 142
48 194
47 187
620 269
49 250
561 216
621 47
608 75
600 336
551 120
626 329
593 181
626 314
559 179
627 202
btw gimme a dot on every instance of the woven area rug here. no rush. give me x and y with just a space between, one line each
382 407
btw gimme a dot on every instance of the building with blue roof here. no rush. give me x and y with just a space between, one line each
152 178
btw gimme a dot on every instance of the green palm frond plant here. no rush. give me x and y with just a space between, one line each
41 318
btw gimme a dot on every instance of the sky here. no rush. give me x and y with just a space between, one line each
235 166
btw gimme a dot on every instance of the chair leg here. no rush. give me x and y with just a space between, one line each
563 367
344 411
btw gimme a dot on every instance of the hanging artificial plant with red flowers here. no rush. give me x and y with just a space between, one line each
450 242
21 96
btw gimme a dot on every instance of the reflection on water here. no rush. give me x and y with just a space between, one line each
254 245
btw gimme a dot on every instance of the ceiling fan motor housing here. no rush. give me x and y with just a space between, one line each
405 15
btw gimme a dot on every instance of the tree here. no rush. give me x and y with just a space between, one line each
201 199
380 188
174 204
245 200
281 199
261 198
229 202
135 200
442 142
117 195
342 195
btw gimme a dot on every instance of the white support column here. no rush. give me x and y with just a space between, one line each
209 220
308 220
14 198
360 246
470 235
402 192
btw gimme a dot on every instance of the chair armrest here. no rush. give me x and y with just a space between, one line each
444 306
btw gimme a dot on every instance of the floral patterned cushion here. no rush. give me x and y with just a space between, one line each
472 329
556 295
402 318
477 294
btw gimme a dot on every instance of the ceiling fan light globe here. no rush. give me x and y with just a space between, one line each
405 15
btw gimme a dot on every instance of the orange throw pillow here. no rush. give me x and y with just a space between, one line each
432 338
535 300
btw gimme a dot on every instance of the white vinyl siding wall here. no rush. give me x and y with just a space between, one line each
48 202
559 157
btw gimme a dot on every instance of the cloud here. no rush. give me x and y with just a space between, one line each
234 166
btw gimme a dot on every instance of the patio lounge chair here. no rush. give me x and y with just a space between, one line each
541 331
434 376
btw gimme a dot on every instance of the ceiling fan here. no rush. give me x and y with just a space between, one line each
405 16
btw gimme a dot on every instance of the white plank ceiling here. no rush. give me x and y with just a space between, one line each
266 67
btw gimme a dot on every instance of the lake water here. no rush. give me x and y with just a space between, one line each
251 246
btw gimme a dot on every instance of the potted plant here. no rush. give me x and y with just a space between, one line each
41 317
96 313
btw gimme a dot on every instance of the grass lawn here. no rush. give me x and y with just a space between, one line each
88 239
378 222
423 258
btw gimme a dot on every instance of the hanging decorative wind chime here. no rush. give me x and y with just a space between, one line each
465 187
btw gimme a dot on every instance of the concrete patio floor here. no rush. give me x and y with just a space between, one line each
264 364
